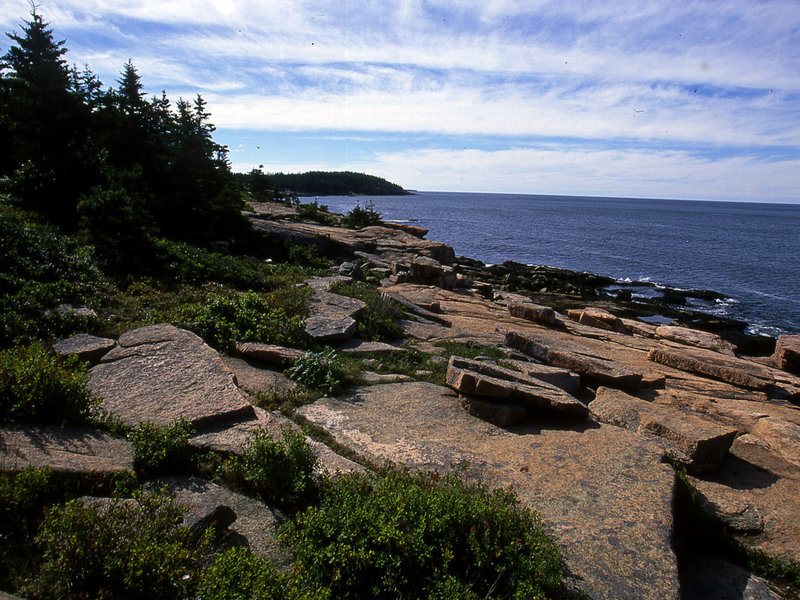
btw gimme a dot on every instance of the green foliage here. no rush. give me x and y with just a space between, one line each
23 497
41 268
337 183
470 350
410 536
237 574
306 256
358 217
229 318
378 320
161 450
183 263
131 549
322 371
41 387
281 472
313 211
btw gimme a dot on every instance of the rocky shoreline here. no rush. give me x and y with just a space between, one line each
659 457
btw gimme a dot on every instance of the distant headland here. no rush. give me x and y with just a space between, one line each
322 183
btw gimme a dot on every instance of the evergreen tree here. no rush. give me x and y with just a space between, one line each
47 123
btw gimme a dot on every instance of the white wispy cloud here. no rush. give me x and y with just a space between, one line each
700 98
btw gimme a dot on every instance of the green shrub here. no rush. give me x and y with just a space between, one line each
38 386
470 350
161 450
281 472
322 371
40 268
359 217
23 497
229 318
130 549
237 574
313 211
378 319
409 536
306 256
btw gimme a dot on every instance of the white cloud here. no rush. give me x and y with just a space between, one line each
624 173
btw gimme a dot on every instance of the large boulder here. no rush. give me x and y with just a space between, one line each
787 353
485 379
252 520
86 347
599 318
575 357
710 363
532 312
161 373
695 337
701 443
332 317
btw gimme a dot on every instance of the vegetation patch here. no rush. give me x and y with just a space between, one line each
470 351
358 217
378 321
413 536
320 371
280 472
38 386
227 318
124 549
161 450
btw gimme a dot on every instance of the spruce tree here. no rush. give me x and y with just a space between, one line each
47 122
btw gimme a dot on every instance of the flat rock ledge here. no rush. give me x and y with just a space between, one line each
332 316
601 491
575 357
161 373
488 380
709 363
86 347
66 449
695 337
532 312
702 444
599 318
268 353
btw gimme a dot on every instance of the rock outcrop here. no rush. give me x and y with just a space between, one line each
161 373
66 449
488 380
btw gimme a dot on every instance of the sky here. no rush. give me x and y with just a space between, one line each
649 99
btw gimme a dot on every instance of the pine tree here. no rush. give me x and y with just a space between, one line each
47 123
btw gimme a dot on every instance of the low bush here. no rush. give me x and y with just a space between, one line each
358 217
161 450
127 549
23 497
41 268
321 371
471 350
280 472
313 211
227 318
410 536
238 574
38 386
378 320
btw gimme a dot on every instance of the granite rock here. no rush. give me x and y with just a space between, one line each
86 347
67 449
161 373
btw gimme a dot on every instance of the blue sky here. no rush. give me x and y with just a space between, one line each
696 100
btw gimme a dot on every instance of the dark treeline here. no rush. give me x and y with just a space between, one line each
338 183
107 162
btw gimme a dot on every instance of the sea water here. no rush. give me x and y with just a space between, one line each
750 252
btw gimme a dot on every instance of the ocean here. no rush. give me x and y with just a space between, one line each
750 252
